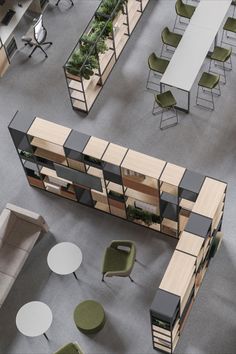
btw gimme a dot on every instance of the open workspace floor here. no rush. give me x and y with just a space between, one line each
203 141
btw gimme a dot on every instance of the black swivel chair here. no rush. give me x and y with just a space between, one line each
37 40
72 4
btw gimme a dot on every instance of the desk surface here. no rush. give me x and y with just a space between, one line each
195 44
6 31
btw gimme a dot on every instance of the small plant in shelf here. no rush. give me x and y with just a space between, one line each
143 215
79 65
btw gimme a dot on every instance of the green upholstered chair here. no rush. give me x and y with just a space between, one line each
169 39
208 82
157 66
119 259
229 27
70 348
89 317
221 55
182 11
163 103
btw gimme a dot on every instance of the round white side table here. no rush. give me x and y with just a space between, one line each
34 319
65 258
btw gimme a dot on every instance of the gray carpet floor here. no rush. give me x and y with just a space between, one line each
203 141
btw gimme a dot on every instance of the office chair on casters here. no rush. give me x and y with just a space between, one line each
37 40
71 1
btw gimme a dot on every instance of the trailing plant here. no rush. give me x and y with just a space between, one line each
139 214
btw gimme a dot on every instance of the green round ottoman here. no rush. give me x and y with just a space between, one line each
89 316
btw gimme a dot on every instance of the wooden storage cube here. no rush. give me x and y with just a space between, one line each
191 244
141 183
77 165
98 196
179 275
118 212
161 347
35 182
169 227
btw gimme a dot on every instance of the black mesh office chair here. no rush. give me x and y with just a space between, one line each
37 40
71 1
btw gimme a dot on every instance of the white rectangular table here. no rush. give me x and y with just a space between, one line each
193 48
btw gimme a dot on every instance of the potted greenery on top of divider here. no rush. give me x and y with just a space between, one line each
84 60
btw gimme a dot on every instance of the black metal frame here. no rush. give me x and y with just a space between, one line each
217 92
101 82
223 67
156 110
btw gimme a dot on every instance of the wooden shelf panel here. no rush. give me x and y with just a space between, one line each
91 94
147 185
108 69
133 19
46 145
48 155
115 187
172 174
102 206
120 45
209 197
114 154
141 197
190 244
178 274
35 182
52 173
105 58
118 212
143 164
95 147
49 131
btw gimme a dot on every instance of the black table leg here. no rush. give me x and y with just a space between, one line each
45 336
75 275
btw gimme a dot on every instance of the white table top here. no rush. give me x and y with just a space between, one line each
64 258
6 31
195 44
34 319
210 13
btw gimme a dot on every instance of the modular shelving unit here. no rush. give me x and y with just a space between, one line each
136 187
115 31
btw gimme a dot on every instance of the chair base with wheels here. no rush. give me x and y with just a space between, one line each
39 47
222 59
157 66
58 2
208 82
163 104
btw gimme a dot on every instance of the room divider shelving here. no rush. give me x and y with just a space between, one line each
98 49
136 187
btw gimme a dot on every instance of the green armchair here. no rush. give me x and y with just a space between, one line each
119 259
70 348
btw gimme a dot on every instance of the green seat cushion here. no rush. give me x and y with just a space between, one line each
157 64
165 100
209 80
221 54
230 25
70 348
184 10
89 316
115 260
170 38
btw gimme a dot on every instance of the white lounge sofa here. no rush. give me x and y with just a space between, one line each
19 231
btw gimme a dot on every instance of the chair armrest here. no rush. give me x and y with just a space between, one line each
28 215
